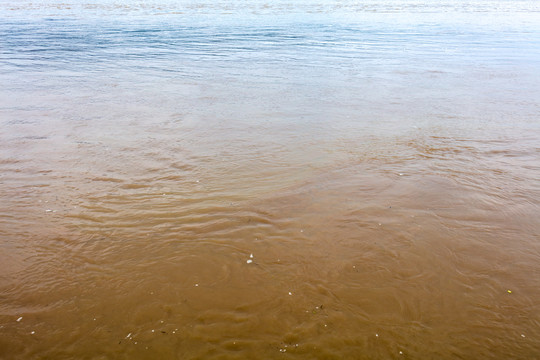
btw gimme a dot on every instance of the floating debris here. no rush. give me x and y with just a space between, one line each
522 335
376 335
249 261
19 319
32 332
196 284
251 256
509 291
401 353
290 293
128 335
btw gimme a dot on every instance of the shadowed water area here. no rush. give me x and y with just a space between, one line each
268 180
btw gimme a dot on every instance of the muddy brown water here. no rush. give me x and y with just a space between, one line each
379 203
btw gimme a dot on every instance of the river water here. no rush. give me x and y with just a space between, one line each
264 180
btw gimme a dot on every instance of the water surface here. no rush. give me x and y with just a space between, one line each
377 164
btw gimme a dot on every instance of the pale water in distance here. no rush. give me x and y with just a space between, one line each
269 179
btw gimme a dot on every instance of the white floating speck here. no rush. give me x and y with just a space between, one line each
380 224
400 174
32 332
522 335
376 335
325 325
401 353
19 319
196 284
152 330
174 332
249 261
48 210
135 343
94 319
128 335
302 230
161 321
290 293
251 256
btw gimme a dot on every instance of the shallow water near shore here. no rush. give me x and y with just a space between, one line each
306 180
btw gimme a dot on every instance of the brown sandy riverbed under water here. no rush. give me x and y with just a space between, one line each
327 207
